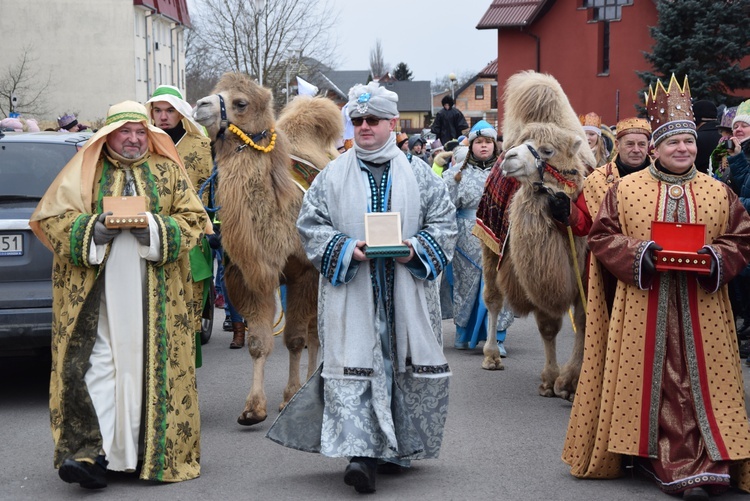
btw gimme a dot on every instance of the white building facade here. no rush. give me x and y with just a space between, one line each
91 54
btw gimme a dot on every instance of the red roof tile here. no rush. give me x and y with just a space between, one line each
489 70
510 13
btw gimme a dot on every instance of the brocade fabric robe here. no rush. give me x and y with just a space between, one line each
617 406
171 424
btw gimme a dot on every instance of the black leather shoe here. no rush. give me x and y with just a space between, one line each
88 475
360 474
227 325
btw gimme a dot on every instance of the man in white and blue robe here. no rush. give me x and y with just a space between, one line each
380 396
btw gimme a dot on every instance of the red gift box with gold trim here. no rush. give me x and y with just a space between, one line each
680 242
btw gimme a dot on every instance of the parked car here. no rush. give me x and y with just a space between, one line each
29 162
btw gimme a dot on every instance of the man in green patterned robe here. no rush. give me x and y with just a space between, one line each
122 387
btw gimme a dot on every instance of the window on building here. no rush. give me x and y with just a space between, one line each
606 10
493 97
479 91
136 25
138 69
405 123
604 48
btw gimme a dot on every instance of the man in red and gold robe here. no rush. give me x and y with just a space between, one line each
661 384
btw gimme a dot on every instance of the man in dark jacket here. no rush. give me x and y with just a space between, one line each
449 122
708 133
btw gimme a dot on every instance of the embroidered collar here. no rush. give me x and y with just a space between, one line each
656 170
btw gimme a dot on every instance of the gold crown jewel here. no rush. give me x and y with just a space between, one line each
670 110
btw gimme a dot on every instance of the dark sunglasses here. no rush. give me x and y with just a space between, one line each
371 121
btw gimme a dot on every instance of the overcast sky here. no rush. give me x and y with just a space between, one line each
433 37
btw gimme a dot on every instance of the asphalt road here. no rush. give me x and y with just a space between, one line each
502 440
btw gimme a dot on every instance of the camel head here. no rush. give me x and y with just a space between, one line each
249 106
557 152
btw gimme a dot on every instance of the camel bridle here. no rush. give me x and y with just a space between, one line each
539 186
543 166
224 124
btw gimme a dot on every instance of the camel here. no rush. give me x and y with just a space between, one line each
260 202
536 273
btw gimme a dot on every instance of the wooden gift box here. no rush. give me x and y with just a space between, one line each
680 242
383 235
127 212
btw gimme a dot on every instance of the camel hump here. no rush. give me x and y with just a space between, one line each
538 97
307 116
312 126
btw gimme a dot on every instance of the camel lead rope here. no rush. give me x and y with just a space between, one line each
575 266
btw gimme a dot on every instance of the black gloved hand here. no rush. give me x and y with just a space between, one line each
648 267
559 206
214 241
143 235
102 234
714 268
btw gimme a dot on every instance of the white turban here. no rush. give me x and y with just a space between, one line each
372 99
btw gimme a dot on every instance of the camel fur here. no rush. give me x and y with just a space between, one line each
259 207
536 274
312 125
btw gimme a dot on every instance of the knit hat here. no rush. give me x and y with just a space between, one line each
484 129
670 110
726 118
401 138
633 126
436 145
372 99
173 96
743 113
591 122
704 110
67 121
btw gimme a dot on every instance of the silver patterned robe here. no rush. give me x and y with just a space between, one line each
382 388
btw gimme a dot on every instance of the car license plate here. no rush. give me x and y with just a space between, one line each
11 244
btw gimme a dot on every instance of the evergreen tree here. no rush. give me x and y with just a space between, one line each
402 72
705 41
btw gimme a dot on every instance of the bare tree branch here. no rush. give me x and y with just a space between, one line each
377 63
238 36
22 80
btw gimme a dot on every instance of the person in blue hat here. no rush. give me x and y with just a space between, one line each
465 181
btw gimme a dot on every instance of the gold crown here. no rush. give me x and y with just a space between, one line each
633 126
670 110
591 120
